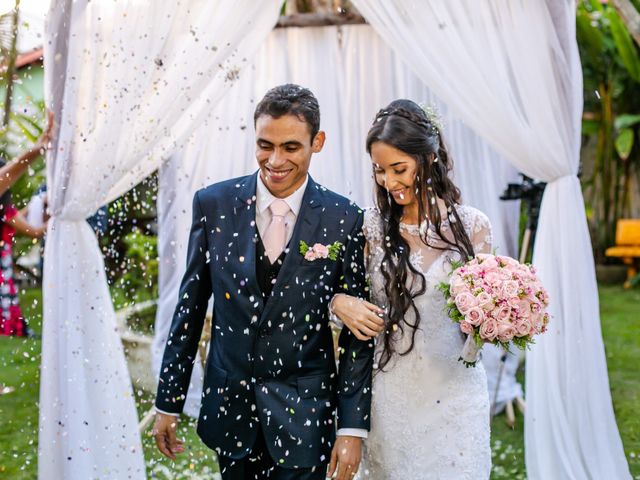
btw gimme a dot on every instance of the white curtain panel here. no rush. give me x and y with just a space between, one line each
221 148
128 83
364 76
510 69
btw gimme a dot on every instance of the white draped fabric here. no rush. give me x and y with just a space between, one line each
510 69
366 77
501 376
127 83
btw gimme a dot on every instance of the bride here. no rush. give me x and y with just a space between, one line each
430 414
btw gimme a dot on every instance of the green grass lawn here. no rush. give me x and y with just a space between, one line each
19 368
20 358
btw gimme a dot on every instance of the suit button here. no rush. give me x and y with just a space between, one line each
263 333
260 381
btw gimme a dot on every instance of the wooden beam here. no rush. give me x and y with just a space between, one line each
319 20
630 16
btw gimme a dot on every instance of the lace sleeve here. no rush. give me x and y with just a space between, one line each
481 236
372 227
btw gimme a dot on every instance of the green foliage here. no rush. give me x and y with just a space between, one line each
624 143
139 280
611 69
625 47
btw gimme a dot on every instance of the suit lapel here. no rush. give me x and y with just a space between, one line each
307 223
244 219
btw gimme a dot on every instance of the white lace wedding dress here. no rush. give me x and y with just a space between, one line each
430 414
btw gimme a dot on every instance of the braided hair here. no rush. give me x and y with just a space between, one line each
405 126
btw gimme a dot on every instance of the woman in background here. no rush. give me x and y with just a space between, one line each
13 221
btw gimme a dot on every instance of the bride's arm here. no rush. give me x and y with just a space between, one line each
364 319
482 236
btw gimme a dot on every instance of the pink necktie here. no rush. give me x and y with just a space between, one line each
275 235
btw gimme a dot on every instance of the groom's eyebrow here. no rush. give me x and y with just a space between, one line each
288 142
292 143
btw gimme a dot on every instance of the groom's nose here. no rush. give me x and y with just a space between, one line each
277 158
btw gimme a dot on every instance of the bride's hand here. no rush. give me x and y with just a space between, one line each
364 319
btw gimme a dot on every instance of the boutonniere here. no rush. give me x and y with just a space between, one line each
319 250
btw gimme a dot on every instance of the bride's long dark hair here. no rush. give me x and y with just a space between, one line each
404 125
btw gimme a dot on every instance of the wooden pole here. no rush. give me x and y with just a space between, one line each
11 64
319 20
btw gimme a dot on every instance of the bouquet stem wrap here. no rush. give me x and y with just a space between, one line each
470 351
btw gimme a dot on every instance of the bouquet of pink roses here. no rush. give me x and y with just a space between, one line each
495 299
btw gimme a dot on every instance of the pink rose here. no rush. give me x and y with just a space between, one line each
310 255
489 330
321 250
487 261
485 300
506 331
510 288
523 327
475 316
493 278
524 308
502 314
457 284
464 301
536 321
514 302
466 327
509 262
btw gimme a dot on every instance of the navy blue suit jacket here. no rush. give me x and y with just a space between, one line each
270 361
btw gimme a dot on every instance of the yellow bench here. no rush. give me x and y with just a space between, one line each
627 246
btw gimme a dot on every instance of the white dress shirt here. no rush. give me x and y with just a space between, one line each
264 198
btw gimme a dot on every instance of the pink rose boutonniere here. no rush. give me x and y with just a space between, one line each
318 251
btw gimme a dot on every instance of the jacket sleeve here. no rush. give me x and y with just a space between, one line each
355 356
188 319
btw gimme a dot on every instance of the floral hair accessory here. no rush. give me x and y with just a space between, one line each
433 115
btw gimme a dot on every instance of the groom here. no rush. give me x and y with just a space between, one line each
272 394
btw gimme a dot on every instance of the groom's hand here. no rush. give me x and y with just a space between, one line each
346 455
164 431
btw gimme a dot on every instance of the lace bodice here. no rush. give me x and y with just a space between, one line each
427 402
475 222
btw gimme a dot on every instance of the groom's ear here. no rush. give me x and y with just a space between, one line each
318 142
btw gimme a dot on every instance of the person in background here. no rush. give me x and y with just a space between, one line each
14 169
13 221
9 174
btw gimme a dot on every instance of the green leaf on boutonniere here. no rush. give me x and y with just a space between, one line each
304 248
334 250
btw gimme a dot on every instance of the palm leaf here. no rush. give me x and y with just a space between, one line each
624 45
